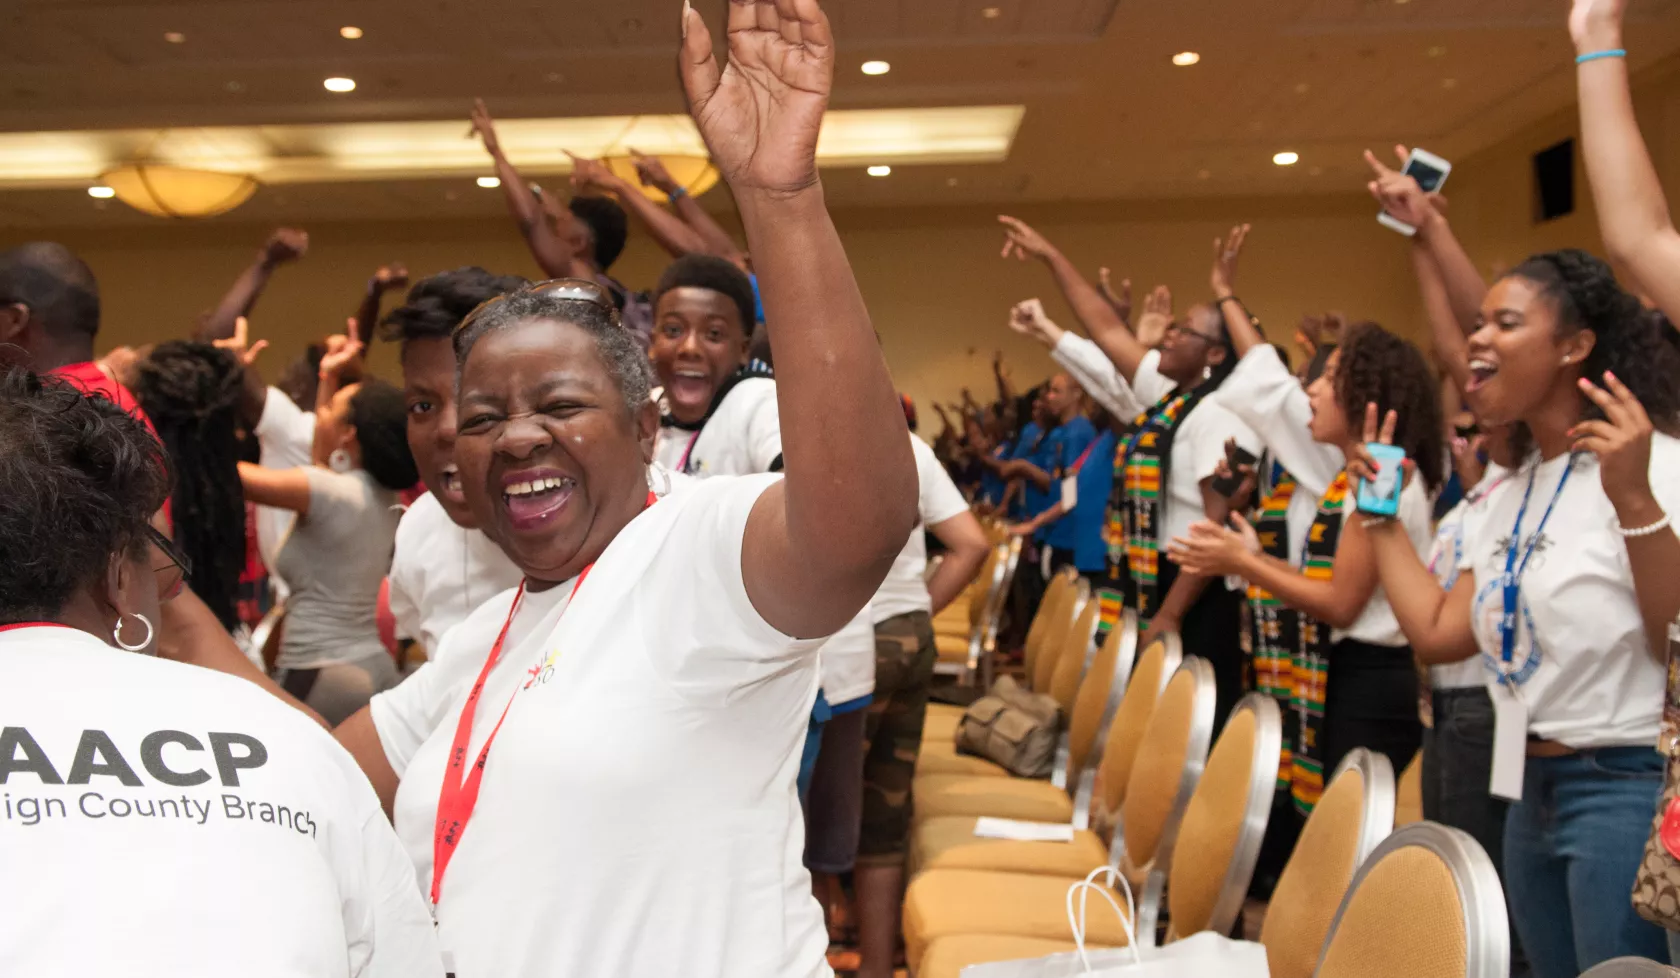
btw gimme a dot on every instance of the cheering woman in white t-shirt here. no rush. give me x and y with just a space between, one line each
158 816
1567 591
616 796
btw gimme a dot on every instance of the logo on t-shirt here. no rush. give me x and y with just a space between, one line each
1488 610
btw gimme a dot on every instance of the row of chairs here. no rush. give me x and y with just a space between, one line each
1143 793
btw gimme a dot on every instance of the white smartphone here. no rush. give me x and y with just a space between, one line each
1430 171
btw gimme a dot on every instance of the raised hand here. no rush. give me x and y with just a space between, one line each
1022 241
1028 319
1400 194
1226 252
485 128
651 172
343 350
1596 25
285 245
1121 301
591 175
1361 465
761 114
1621 440
1157 316
240 345
392 276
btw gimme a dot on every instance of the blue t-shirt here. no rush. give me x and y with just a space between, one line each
758 300
1030 502
992 485
1082 530
1056 455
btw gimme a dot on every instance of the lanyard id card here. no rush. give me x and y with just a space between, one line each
1070 493
1510 742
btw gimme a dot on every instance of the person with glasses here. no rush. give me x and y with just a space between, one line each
338 554
128 774
614 793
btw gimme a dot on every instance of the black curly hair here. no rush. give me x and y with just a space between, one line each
714 274
379 413
1631 343
191 392
1378 367
437 304
81 480
609 227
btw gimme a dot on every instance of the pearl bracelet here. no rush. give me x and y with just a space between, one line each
1643 531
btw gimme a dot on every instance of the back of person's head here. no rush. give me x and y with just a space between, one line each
57 287
438 303
191 392
81 480
715 275
609 227
1378 367
379 413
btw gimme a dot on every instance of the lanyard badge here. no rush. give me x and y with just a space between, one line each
1511 580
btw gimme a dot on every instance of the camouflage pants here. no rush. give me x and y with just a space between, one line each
904 660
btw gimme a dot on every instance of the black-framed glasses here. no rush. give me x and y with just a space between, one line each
171 577
1179 329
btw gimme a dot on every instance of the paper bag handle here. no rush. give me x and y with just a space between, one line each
1077 920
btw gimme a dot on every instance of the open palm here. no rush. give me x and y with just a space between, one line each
760 116
1588 18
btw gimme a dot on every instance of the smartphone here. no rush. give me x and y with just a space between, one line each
1381 496
1226 487
1431 172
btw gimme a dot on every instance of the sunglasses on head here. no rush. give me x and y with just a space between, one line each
569 289
172 576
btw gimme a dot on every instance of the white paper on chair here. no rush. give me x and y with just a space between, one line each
1015 831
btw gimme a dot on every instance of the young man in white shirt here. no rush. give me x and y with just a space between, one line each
444 566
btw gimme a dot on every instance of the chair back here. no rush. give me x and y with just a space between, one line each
983 648
1099 696
1079 646
980 592
1055 592
1219 839
1169 762
1155 667
1426 904
1630 968
1408 793
1055 634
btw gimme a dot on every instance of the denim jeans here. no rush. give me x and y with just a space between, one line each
1572 847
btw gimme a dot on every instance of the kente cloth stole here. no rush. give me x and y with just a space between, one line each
1312 657
1138 503
1273 631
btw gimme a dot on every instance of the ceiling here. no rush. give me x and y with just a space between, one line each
1108 116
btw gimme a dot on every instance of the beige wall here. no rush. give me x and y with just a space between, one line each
932 276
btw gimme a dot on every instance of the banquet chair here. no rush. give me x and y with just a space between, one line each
1631 968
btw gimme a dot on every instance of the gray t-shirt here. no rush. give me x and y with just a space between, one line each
334 561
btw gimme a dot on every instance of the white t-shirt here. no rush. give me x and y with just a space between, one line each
1092 370
286 438
1266 396
1445 555
638 815
1581 659
441 572
1376 624
938 499
1198 446
847 660
165 820
742 437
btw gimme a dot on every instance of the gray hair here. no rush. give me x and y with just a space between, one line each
618 349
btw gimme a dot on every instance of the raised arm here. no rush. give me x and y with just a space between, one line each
851 492
1452 349
1238 323
284 245
1633 214
715 240
1401 197
675 236
559 256
1099 317
343 358
388 277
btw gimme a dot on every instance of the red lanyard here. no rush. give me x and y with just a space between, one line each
1079 462
682 466
459 795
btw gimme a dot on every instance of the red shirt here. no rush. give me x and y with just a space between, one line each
92 381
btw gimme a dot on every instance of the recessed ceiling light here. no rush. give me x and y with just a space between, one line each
340 84
1449 83
1435 52
1203 174
880 171
235 87
951 181
991 13
876 67
103 193
350 33
1287 158
175 37
1302 88
489 183
1185 59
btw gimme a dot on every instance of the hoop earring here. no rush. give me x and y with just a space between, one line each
339 461
663 487
116 633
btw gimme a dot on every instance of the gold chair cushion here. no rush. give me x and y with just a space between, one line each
1070 666
952 649
954 794
1131 719
1055 592
950 843
941 757
1158 767
1055 642
1086 713
1408 793
1207 839
946 957
1315 879
947 902
1406 919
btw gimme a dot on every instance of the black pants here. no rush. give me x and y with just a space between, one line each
1025 593
1371 701
1212 629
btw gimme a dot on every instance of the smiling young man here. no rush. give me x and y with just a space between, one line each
444 566
719 412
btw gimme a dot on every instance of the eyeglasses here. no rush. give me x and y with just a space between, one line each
1176 329
171 577
569 289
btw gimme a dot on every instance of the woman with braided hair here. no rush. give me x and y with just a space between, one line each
1566 593
191 392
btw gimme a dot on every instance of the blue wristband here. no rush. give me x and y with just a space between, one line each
1597 55
678 192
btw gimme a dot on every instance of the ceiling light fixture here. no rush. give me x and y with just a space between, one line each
489 183
876 67
1185 59
1287 158
176 191
991 13
102 192
350 33
880 171
175 37
1435 52
339 85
